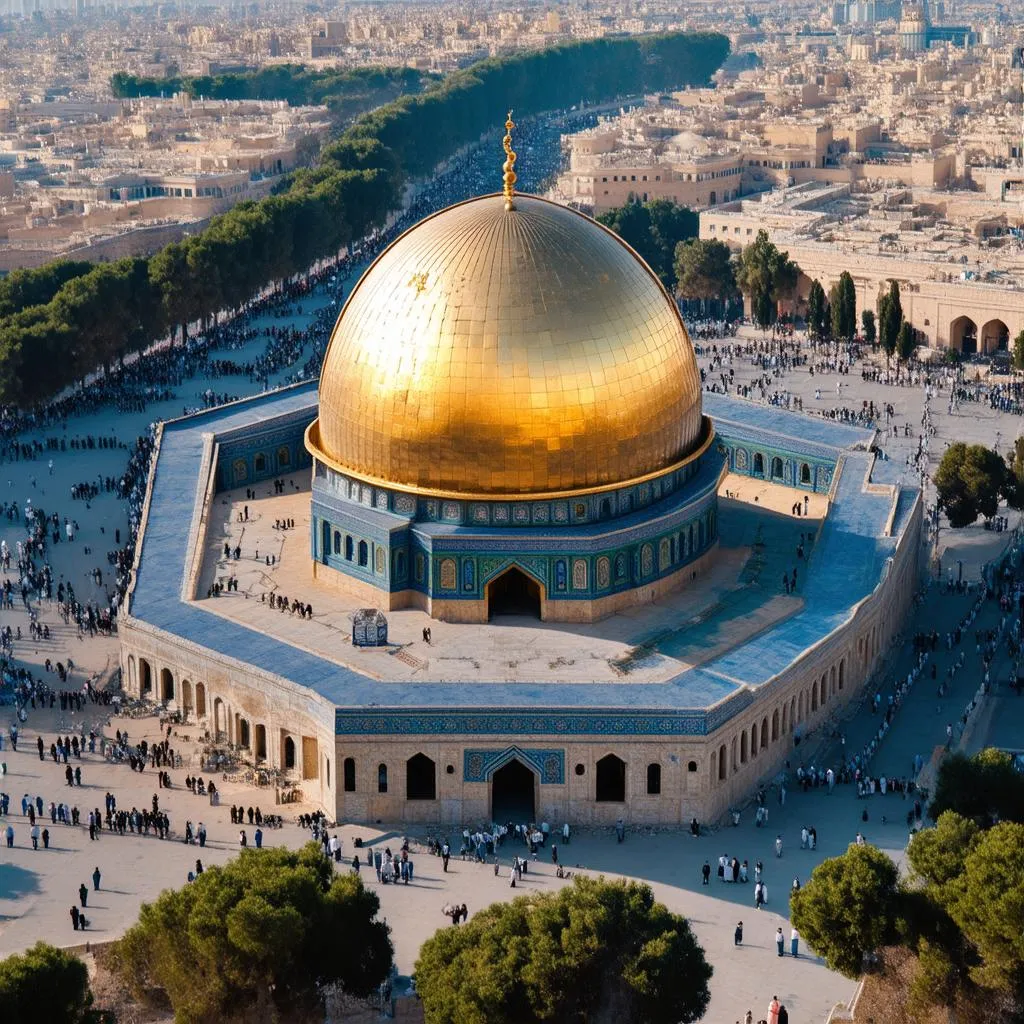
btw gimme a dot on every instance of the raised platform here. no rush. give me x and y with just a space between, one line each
681 666
649 644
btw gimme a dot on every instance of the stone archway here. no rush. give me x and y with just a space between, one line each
200 700
513 793
166 684
186 696
963 335
145 678
995 337
260 745
514 592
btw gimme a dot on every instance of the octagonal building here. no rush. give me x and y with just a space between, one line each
565 560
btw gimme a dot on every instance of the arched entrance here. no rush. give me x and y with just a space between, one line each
325 542
186 696
513 593
166 684
995 337
200 700
963 335
289 752
220 724
145 678
513 793
260 750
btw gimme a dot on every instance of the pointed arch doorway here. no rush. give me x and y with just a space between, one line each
514 793
514 593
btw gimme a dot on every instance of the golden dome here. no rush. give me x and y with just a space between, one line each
492 352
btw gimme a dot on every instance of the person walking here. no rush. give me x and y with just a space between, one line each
778 846
773 1011
96 879
446 852
34 833
705 872
780 941
758 895
620 830
737 935
783 1014
9 834
83 894
75 915
258 838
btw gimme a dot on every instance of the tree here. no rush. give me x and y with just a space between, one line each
45 984
984 788
844 308
987 902
766 276
937 854
654 229
262 934
906 341
867 322
969 481
890 317
597 951
1018 351
704 270
817 311
848 908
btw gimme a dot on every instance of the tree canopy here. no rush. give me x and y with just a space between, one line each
596 950
985 788
265 932
969 482
766 275
846 909
843 304
867 326
890 317
45 984
819 321
704 269
654 229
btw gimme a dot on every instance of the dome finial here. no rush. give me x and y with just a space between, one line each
508 178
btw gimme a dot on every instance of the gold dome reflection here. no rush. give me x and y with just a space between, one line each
495 352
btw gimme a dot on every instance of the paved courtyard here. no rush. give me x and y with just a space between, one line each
38 888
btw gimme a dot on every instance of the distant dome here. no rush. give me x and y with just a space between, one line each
491 352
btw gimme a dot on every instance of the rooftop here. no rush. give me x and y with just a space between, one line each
732 631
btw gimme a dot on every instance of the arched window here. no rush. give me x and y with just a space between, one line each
420 778
776 468
758 464
348 548
805 473
400 565
337 542
653 779
775 724
382 778
743 747
349 770
284 457
364 553
764 732
723 767
691 766
753 740
289 752
260 463
611 780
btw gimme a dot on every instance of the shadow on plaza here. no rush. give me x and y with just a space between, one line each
17 882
